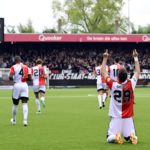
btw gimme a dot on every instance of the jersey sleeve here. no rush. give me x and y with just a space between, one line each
25 71
30 71
134 82
12 71
109 82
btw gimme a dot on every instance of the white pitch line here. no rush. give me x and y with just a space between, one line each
92 95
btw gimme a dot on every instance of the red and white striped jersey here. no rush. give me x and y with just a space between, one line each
113 71
38 73
99 77
122 97
20 72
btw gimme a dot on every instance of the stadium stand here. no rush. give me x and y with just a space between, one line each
72 58
70 55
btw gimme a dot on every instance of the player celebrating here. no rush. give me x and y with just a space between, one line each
39 74
114 69
19 73
121 103
101 85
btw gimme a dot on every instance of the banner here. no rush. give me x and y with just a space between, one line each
77 38
68 77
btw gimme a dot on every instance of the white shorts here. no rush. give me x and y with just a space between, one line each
37 88
101 86
20 90
123 125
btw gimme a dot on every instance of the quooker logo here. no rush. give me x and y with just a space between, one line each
146 38
43 37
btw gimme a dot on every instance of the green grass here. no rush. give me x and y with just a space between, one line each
70 121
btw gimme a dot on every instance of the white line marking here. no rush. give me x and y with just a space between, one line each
92 95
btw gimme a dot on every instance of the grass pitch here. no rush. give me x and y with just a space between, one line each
70 121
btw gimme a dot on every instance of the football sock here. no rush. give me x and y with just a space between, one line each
43 101
25 111
38 104
14 111
100 99
42 98
104 97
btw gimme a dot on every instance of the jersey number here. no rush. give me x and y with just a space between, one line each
118 94
21 72
115 71
98 72
37 72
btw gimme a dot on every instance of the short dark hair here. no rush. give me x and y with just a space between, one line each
117 59
122 75
39 61
17 59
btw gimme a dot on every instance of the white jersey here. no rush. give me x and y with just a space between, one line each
99 77
113 71
38 73
20 72
122 97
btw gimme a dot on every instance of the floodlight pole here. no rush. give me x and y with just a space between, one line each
129 16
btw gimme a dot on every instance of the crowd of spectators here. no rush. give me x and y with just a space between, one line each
74 58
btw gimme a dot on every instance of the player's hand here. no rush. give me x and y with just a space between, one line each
105 55
135 53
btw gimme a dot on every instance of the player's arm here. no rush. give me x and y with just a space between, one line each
11 73
94 72
10 76
104 62
45 76
45 73
30 74
29 77
137 65
109 70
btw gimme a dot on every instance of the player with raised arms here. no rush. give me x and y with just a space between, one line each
121 103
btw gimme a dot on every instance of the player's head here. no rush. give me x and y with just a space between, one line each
122 75
17 59
39 61
117 60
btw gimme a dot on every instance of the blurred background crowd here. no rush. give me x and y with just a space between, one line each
75 57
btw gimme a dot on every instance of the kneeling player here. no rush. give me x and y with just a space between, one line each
121 103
